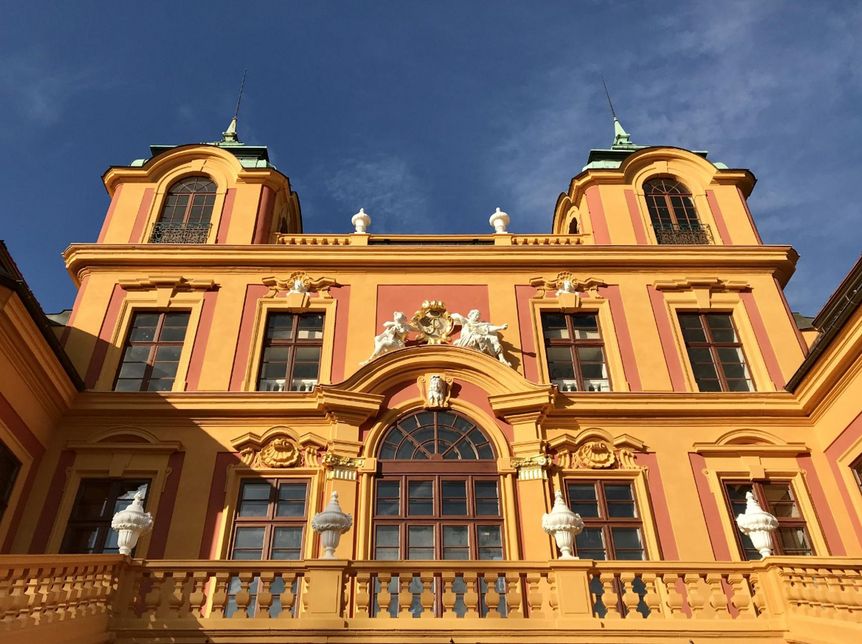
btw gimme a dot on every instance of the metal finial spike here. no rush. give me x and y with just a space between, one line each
239 98
230 134
608 94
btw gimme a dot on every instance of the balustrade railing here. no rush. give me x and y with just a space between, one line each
779 597
165 232
693 233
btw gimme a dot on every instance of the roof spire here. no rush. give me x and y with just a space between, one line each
622 139
230 134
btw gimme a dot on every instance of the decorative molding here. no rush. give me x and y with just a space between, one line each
712 284
534 467
565 283
596 454
341 467
176 284
298 282
278 449
436 389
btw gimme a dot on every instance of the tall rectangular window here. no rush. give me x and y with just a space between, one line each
291 352
612 524
9 467
715 352
776 497
437 517
98 500
270 519
575 352
152 352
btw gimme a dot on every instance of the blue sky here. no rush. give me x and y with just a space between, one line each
431 114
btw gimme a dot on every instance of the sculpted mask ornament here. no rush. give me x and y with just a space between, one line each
436 389
433 322
479 335
297 282
393 337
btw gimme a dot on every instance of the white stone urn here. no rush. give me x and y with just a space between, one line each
499 220
564 524
757 524
361 221
131 523
331 524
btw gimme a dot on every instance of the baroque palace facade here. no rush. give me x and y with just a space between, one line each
233 371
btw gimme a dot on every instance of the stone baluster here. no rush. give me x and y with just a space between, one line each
741 596
426 599
553 597
363 596
695 595
447 578
651 596
41 608
222 579
153 598
264 593
630 597
610 598
717 596
197 595
5 598
243 595
29 611
758 598
471 594
492 596
60 593
673 598
514 608
851 594
18 597
405 597
171 600
384 597
534 595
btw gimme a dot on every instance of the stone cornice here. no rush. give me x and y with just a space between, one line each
776 260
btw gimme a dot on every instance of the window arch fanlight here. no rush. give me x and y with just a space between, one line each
672 213
186 212
437 495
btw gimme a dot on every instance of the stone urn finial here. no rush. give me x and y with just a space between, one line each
564 525
331 524
361 221
499 220
757 524
131 523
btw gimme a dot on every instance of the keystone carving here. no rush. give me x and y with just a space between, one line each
297 282
565 282
436 389
597 454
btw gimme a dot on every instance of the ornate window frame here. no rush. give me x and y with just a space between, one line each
587 301
712 295
291 302
108 456
734 458
164 294
594 455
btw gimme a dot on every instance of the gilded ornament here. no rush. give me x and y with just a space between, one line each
433 322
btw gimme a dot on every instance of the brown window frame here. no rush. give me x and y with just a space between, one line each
604 521
154 345
713 346
101 524
856 468
10 466
681 216
175 191
291 344
783 522
573 343
270 522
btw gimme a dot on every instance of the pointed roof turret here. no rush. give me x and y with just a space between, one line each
622 139
230 134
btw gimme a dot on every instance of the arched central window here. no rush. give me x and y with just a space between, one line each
672 212
186 213
438 494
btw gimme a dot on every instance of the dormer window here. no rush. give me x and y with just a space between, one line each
672 212
186 213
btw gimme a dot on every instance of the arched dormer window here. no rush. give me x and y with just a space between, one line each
438 493
672 212
186 213
573 226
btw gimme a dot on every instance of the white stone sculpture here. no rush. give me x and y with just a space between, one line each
361 221
131 523
330 525
393 336
564 525
757 523
566 287
499 220
298 286
481 336
436 391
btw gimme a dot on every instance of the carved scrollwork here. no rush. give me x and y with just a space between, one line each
297 282
433 322
566 283
596 454
341 467
276 453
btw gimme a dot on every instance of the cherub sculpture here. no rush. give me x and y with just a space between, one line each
393 336
481 336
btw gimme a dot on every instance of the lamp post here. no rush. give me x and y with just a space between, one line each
757 524
564 524
331 524
131 523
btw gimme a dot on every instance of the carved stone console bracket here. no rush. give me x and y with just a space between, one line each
341 467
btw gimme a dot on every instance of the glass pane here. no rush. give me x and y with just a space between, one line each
692 331
420 498
794 541
310 326
590 544
287 543
454 498
586 326
254 500
279 326
172 334
627 538
420 542
133 370
456 542
386 535
93 499
554 326
388 498
487 500
490 542
291 500
583 499
248 538
736 494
